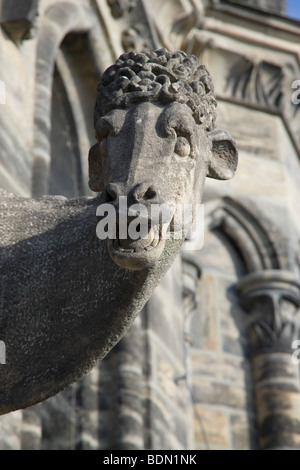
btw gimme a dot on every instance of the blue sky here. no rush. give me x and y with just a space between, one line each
293 8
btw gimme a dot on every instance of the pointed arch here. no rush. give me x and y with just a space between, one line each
58 21
260 244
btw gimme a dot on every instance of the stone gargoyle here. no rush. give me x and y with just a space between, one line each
67 296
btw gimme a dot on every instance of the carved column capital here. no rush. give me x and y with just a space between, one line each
272 300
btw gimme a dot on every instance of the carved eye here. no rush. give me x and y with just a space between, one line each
104 146
182 147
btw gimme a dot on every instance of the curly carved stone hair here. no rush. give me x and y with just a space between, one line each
162 76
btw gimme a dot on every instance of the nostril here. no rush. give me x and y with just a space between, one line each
110 196
110 193
150 193
145 192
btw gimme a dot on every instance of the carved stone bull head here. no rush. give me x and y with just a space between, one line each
157 141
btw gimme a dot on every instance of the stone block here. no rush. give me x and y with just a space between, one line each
211 429
232 323
243 432
226 368
258 137
167 375
217 393
164 427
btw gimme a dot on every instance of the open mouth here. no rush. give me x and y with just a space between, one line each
137 254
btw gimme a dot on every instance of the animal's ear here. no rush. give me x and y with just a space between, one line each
224 157
95 169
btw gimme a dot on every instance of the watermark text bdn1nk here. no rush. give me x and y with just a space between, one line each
133 222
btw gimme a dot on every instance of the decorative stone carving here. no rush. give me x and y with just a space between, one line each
272 298
18 17
138 33
261 83
134 39
272 6
121 7
67 296
267 85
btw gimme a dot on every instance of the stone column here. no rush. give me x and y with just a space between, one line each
272 302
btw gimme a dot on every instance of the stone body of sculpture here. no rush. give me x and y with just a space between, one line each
66 296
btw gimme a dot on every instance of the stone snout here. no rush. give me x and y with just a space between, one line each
137 221
142 158
154 155
145 193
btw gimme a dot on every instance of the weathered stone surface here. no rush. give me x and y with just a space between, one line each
272 300
257 138
243 432
162 315
123 385
31 436
50 279
17 18
163 428
211 429
204 327
226 367
10 431
243 60
277 6
166 365
217 393
277 400
121 7
276 364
